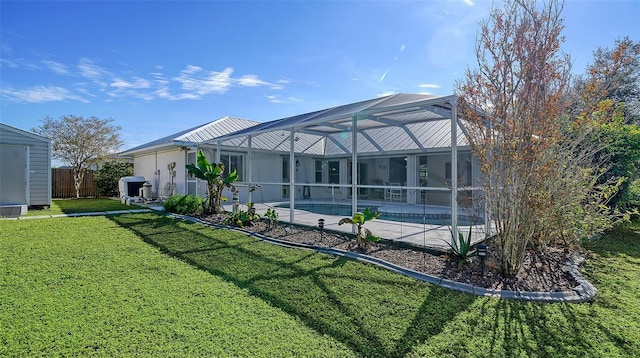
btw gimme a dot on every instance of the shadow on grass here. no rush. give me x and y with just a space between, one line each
623 238
607 326
552 330
375 312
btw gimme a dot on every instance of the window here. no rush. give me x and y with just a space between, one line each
334 172
318 171
233 162
285 170
464 172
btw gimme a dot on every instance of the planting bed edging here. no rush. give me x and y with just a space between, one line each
585 291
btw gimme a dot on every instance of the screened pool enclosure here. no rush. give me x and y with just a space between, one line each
405 156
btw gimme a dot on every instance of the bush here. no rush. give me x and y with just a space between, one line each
106 178
631 198
183 204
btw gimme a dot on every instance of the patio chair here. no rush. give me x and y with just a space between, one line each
395 193
167 191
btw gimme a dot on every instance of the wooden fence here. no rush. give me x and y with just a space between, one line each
62 184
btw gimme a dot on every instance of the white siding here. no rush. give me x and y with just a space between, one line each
39 176
153 167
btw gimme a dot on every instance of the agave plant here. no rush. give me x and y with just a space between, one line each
461 248
213 173
364 237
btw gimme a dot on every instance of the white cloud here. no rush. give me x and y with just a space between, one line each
428 85
290 99
251 81
56 67
198 84
402 48
137 83
469 2
40 94
387 93
93 72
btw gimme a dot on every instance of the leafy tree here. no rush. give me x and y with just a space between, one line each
80 142
610 89
106 178
613 75
540 171
216 181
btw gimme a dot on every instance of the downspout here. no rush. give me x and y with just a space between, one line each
454 170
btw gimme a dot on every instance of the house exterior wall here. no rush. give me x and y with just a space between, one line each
153 167
37 166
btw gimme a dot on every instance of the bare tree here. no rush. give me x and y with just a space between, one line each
538 176
80 142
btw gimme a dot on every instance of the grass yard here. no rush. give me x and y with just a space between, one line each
83 205
84 286
78 286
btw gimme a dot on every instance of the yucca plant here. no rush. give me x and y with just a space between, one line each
460 248
364 237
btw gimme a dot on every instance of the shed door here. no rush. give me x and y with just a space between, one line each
13 174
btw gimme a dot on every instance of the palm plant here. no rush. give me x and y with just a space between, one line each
213 174
364 237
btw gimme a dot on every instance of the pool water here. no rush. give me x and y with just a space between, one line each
416 218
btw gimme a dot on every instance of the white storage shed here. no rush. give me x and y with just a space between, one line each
25 170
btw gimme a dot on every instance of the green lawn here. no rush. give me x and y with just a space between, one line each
98 285
83 205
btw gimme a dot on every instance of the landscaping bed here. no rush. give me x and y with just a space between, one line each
541 272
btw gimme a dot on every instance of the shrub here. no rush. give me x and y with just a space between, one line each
242 218
183 204
272 217
106 178
631 198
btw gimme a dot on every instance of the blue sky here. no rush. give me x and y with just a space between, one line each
160 67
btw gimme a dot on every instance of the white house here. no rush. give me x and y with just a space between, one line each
413 160
25 170
163 161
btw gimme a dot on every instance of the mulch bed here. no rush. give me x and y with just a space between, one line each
541 271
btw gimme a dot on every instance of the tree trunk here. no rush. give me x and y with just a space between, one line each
78 175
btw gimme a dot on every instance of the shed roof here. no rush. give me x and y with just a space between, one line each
195 135
397 123
21 132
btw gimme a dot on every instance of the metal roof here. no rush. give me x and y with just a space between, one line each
196 135
397 123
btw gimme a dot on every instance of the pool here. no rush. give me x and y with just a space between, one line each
416 218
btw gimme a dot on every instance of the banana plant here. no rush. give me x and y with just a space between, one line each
364 237
213 174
